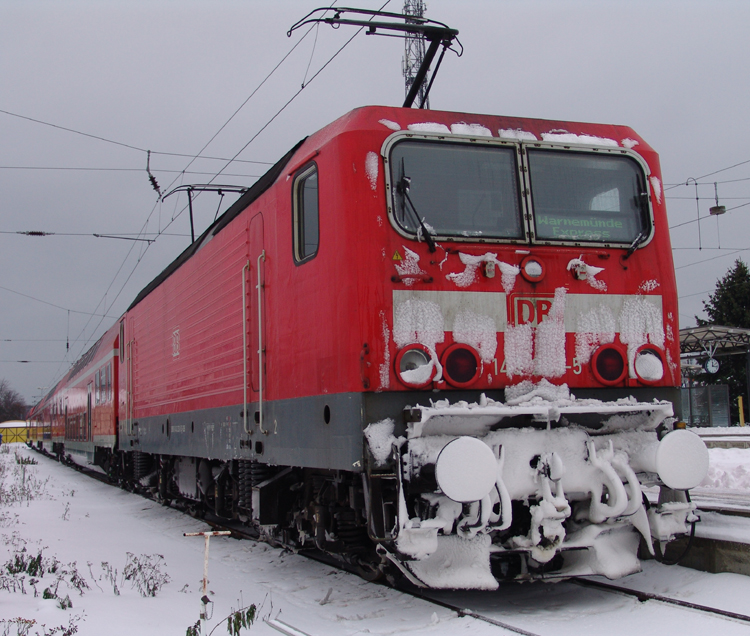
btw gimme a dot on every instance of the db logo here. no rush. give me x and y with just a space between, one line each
176 343
530 310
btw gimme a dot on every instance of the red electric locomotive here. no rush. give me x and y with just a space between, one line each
437 343
372 352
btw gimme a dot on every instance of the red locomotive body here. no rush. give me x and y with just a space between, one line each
377 344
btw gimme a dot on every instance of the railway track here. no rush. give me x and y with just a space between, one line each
648 596
487 616
240 531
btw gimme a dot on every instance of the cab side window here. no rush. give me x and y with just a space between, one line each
305 214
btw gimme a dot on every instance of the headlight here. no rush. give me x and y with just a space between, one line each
649 364
415 366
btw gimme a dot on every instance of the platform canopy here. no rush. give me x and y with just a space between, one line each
713 340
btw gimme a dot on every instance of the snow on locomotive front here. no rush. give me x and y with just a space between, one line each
524 363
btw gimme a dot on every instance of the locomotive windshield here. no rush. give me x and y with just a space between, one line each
459 190
580 196
471 191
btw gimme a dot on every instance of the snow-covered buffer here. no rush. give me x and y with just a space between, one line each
542 486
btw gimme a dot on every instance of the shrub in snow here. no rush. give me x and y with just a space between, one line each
17 482
37 570
144 573
237 621
7 520
110 575
23 627
242 618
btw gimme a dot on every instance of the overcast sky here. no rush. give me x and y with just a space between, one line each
166 76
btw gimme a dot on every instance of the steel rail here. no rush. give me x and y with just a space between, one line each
649 596
470 613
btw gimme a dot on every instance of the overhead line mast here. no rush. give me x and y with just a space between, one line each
414 49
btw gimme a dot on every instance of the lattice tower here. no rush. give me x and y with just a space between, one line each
414 49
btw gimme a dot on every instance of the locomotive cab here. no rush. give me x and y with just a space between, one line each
530 367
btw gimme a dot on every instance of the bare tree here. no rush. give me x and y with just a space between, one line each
12 405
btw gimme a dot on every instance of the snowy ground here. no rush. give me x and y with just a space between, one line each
84 523
728 469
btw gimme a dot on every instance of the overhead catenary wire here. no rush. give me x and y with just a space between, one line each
32 340
707 183
242 105
224 125
708 198
709 291
156 170
229 162
103 299
123 144
710 174
34 361
284 107
38 233
706 216
126 235
46 302
268 123
713 258
707 249
157 205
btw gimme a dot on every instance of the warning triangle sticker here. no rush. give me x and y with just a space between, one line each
397 257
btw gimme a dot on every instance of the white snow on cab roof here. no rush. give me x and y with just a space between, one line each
429 126
475 130
571 138
516 133
629 143
389 124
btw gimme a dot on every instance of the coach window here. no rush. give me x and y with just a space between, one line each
305 205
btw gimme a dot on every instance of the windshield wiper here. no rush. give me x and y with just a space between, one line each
634 245
402 187
641 201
